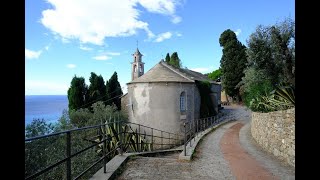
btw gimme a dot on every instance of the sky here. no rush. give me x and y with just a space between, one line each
67 38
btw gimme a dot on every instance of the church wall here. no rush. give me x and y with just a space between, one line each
157 105
216 89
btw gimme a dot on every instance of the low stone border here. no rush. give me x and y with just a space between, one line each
195 141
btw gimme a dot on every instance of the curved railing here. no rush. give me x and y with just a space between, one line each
193 128
106 140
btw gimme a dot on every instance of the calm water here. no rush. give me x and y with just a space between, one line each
48 107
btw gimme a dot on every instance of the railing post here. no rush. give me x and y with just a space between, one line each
68 155
185 139
104 151
161 141
151 139
119 131
194 131
205 123
139 143
190 130
197 127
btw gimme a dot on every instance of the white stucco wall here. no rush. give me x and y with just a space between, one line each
157 105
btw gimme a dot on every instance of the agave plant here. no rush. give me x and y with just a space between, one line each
281 98
121 136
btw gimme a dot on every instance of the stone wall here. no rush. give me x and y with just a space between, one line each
275 132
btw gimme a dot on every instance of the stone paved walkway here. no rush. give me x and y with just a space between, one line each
210 160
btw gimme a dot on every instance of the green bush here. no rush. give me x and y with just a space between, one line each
256 90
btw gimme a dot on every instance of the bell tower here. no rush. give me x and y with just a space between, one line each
137 68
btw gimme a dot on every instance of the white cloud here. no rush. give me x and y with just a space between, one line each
163 36
35 87
106 56
71 66
102 58
166 7
179 34
47 47
237 32
92 21
113 53
85 48
176 19
29 54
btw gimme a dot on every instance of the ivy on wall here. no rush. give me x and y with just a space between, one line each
206 107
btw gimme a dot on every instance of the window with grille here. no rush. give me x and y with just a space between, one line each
183 101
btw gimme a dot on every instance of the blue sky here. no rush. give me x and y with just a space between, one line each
64 38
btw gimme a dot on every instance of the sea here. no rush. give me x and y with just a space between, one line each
47 107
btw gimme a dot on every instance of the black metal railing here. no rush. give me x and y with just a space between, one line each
110 138
193 128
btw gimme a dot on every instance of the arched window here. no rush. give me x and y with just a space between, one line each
135 68
183 101
140 69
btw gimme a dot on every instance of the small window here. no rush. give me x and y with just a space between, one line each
140 69
135 68
183 101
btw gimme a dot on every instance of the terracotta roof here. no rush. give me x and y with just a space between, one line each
163 72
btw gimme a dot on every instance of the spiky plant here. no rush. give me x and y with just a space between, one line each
281 98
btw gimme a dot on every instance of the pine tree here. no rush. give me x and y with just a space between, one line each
77 93
114 91
97 89
232 63
174 60
167 58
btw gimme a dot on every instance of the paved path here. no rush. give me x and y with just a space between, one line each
213 160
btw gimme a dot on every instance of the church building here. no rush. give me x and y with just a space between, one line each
165 97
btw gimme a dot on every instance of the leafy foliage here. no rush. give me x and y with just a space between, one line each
80 96
100 114
175 60
271 57
272 49
214 75
77 93
97 89
80 117
233 62
206 107
167 58
254 83
256 90
114 91
38 127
